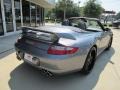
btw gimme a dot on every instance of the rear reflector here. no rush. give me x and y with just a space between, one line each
62 50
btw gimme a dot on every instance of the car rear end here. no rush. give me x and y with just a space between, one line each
46 50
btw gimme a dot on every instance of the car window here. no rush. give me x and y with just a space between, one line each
78 23
75 22
93 25
86 24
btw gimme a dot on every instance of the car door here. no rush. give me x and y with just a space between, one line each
105 37
102 35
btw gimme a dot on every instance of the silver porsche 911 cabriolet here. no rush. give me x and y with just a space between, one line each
71 47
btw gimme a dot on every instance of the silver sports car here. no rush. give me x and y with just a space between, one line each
64 49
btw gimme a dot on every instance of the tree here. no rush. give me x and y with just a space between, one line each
49 14
65 9
64 5
92 9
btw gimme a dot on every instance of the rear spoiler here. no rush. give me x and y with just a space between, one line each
53 37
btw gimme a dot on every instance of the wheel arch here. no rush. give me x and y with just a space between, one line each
95 52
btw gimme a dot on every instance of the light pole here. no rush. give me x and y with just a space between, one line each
65 9
79 3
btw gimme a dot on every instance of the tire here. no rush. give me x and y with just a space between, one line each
109 44
90 61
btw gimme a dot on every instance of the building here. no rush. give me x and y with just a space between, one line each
17 13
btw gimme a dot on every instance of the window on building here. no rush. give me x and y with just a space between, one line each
17 13
42 16
38 16
1 24
26 12
8 15
33 14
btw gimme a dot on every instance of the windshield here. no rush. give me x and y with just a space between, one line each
87 25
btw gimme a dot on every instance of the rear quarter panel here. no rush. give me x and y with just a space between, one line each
84 41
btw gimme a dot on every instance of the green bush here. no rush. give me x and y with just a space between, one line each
105 25
110 25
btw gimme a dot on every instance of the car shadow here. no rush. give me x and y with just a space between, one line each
25 77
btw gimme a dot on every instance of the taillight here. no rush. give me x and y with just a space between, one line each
62 50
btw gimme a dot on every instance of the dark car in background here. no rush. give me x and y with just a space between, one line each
116 23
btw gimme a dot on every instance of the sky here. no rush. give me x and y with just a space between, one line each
106 4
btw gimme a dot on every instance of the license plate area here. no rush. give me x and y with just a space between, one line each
32 59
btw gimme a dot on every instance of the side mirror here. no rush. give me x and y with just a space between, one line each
107 29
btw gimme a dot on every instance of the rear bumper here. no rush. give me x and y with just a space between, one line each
54 70
55 65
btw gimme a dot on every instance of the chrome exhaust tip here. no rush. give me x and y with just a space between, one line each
47 73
